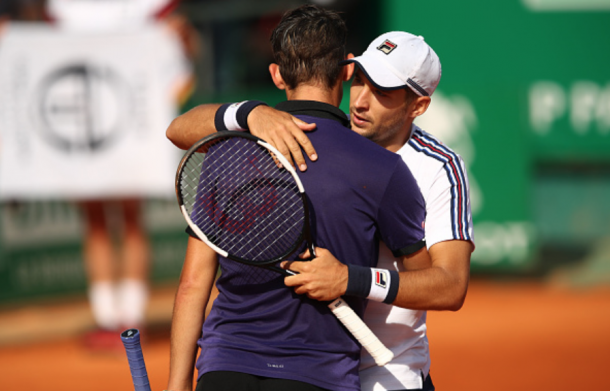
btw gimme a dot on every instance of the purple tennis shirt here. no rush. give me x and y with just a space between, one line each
359 194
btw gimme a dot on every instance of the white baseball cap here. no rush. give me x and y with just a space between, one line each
398 59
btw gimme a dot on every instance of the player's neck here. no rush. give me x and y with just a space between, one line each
401 138
316 93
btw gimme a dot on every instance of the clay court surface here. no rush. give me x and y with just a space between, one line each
508 336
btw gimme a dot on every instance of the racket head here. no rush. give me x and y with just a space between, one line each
242 198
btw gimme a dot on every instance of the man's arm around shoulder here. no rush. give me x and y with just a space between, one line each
433 280
440 286
280 129
188 128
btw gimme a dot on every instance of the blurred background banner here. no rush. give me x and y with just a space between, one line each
41 252
76 104
107 15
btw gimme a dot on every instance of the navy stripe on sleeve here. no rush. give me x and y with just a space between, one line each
456 176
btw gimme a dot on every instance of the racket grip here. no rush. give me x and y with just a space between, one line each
131 341
361 332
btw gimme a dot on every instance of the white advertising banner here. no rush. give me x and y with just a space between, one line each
84 116
89 15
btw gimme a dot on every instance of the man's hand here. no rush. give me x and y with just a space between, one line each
324 278
284 132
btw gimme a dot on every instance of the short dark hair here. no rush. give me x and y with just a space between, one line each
308 44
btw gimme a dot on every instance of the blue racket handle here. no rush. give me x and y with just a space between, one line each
131 341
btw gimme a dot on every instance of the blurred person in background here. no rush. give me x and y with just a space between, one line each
29 10
25 10
393 84
116 247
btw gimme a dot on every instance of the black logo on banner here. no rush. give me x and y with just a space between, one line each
83 107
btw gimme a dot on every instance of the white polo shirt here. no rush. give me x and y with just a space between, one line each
441 176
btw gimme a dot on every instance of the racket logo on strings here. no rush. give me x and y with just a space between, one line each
239 212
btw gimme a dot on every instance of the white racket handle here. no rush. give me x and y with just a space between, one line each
361 332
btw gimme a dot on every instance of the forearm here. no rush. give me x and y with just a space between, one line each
434 288
429 280
440 286
192 126
187 322
196 281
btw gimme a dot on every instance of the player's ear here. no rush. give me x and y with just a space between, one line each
419 106
276 76
348 70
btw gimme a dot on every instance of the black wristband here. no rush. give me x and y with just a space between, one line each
359 281
244 111
219 117
371 283
393 291
234 116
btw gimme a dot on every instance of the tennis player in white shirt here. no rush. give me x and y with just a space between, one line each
394 81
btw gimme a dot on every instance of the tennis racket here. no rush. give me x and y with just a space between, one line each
131 341
244 199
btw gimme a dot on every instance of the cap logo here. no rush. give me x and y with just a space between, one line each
387 46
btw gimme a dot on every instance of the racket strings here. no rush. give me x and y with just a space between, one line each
259 200
242 201
275 225
296 225
195 174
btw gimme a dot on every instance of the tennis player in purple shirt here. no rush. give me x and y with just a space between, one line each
260 335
